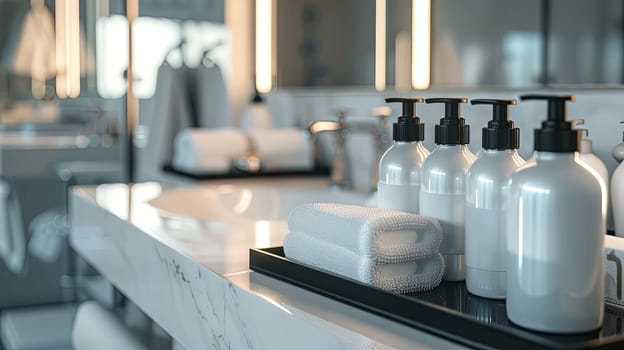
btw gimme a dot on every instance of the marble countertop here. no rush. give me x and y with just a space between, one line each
183 260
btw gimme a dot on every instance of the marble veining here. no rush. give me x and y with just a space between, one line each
193 279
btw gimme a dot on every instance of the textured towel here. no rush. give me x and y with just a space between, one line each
380 234
402 277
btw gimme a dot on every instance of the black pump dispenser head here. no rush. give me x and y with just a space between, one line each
500 133
257 98
408 127
556 134
452 129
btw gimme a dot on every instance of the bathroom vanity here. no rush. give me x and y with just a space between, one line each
182 255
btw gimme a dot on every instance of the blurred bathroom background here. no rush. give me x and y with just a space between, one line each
78 106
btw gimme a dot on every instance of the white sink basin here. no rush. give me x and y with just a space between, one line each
239 202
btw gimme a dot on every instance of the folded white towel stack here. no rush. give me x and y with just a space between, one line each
402 277
282 149
381 234
388 249
208 150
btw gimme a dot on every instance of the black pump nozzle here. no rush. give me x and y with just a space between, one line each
452 129
409 104
451 105
257 98
557 105
556 134
408 128
500 133
500 111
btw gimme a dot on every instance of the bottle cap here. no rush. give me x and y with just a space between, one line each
500 133
452 129
408 127
556 134
257 98
586 144
618 150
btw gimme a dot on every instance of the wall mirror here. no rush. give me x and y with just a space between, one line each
476 43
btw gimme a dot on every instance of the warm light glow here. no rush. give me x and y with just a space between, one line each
73 48
264 45
380 45
263 234
132 102
67 28
244 201
421 43
61 61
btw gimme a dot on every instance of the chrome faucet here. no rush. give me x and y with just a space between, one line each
340 176
382 141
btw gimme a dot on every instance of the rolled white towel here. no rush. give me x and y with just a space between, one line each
96 328
12 234
208 150
282 149
225 142
403 277
383 235
212 165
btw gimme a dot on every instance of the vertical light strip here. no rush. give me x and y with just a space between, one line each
263 234
38 71
61 59
132 102
421 44
132 107
73 49
380 45
274 77
67 45
239 18
264 47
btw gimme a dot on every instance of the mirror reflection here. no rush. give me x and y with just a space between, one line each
473 43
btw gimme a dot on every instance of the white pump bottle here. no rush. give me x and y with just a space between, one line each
443 188
617 190
400 166
487 183
587 156
556 228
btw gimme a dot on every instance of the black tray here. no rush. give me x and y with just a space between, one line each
234 173
448 311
